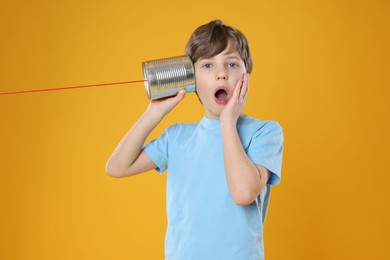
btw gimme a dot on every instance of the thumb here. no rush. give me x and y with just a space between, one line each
180 95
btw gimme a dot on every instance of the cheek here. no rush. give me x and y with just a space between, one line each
203 91
201 85
238 73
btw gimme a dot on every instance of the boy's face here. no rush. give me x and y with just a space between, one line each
216 78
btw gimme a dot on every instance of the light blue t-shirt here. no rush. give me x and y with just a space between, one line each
204 223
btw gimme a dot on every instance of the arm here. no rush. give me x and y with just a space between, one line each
245 179
128 157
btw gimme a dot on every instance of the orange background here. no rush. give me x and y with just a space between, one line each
321 68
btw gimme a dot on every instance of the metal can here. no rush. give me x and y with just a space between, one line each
166 77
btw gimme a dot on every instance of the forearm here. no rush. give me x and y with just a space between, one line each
129 148
242 175
128 159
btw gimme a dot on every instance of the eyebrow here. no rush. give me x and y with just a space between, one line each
233 57
227 56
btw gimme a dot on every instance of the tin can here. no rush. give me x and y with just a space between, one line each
166 77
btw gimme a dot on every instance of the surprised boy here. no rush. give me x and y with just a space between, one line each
220 170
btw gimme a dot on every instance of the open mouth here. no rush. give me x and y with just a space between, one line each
221 95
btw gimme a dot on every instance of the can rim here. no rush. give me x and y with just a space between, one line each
146 76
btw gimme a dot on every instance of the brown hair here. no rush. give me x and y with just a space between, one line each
211 39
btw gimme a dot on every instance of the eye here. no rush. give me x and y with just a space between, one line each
232 65
207 65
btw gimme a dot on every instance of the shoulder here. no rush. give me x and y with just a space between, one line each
259 127
180 129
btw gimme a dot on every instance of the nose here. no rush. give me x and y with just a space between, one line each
222 74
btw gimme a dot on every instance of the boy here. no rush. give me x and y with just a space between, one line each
219 169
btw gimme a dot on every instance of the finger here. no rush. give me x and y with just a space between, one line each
237 89
180 95
244 88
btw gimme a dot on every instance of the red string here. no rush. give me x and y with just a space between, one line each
73 87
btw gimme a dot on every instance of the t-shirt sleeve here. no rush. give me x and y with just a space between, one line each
266 149
157 150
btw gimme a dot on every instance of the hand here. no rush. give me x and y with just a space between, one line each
234 107
161 107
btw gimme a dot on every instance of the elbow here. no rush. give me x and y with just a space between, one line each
244 198
113 171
